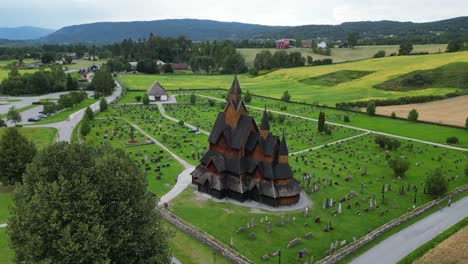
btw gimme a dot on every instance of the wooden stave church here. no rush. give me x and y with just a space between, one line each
244 162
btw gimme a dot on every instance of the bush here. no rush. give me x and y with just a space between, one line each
211 102
387 143
253 72
466 170
346 119
85 127
370 109
398 165
146 100
286 96
379 54
89 113
466 123
138 98
248 97
193 99
393 115
413 115
418 79
181 123
436 183
281 118
452 140
103 105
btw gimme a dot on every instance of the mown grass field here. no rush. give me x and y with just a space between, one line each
275 83
347 54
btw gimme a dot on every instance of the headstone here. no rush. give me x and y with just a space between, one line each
339 208
240 230
293 242
268 227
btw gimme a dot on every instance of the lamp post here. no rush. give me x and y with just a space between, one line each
279 256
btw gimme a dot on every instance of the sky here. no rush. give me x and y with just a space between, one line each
59 13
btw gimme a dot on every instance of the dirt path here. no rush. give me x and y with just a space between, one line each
453 111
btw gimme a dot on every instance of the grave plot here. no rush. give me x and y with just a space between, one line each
301 133
181 140
161 169
353 190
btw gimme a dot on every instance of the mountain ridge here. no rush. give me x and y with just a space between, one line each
24 32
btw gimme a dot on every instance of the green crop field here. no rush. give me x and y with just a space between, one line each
346 54
276 82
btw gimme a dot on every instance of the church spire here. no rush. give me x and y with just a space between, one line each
283 150
235 91
265 125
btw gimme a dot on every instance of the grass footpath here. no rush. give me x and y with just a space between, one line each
62 116
420 251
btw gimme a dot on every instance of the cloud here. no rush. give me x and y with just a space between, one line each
59 13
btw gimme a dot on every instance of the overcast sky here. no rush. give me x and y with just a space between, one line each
60 13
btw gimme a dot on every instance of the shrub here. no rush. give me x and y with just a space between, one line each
138 98
281 118
211 102
253 72
466 123
413 115
181 123
103 104
146 100
248 97
379 54
466 170
346 119
436 183
286 96
393 115
387 143
89 113
398 165
85 127
370 109
452 140
418 79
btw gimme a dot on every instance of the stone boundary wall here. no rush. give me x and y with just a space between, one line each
206 239
353 246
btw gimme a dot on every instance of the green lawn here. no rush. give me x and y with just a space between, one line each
78 64
189 250
346 54
63 115
6 254
40 136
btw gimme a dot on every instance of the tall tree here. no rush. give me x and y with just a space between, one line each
71 84
146 100
85 204
16 152
405 48
89 113
436 183
103 84
103 104
286 96
353 39
321 122
13 115
413 115
370 109
398 165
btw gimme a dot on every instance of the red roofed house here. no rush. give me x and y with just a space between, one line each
282 44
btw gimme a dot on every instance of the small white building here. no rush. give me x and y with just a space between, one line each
156 92
322 44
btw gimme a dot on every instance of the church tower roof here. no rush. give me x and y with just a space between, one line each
283 146
265 125
235 87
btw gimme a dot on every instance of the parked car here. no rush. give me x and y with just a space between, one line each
33 119
42 116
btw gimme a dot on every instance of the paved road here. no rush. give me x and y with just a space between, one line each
396 247
352 127
65 128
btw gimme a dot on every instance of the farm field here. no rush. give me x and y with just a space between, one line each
452 250
346 54
276 82
453 111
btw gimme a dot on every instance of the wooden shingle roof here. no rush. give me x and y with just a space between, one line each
156 90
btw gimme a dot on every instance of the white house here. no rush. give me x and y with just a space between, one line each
156 92
322 44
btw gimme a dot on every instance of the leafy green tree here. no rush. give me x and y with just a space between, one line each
379 54
89 113
13 115
452 140
103 105
146 100
234 63
85 127
393 115
248 97
413 115
398 165
2 123
50 107
48 57
321 122
103 84
253 72
138 98
193 99
167 68
436 183
71 84
370 109
286 96
16 152
310 60
455 45
86 204
353 39
68 59
405 48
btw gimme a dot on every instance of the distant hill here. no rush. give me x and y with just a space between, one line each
198 30
23 33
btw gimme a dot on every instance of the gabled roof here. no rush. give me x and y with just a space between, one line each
156 90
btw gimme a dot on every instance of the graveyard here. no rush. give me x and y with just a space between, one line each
352 188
